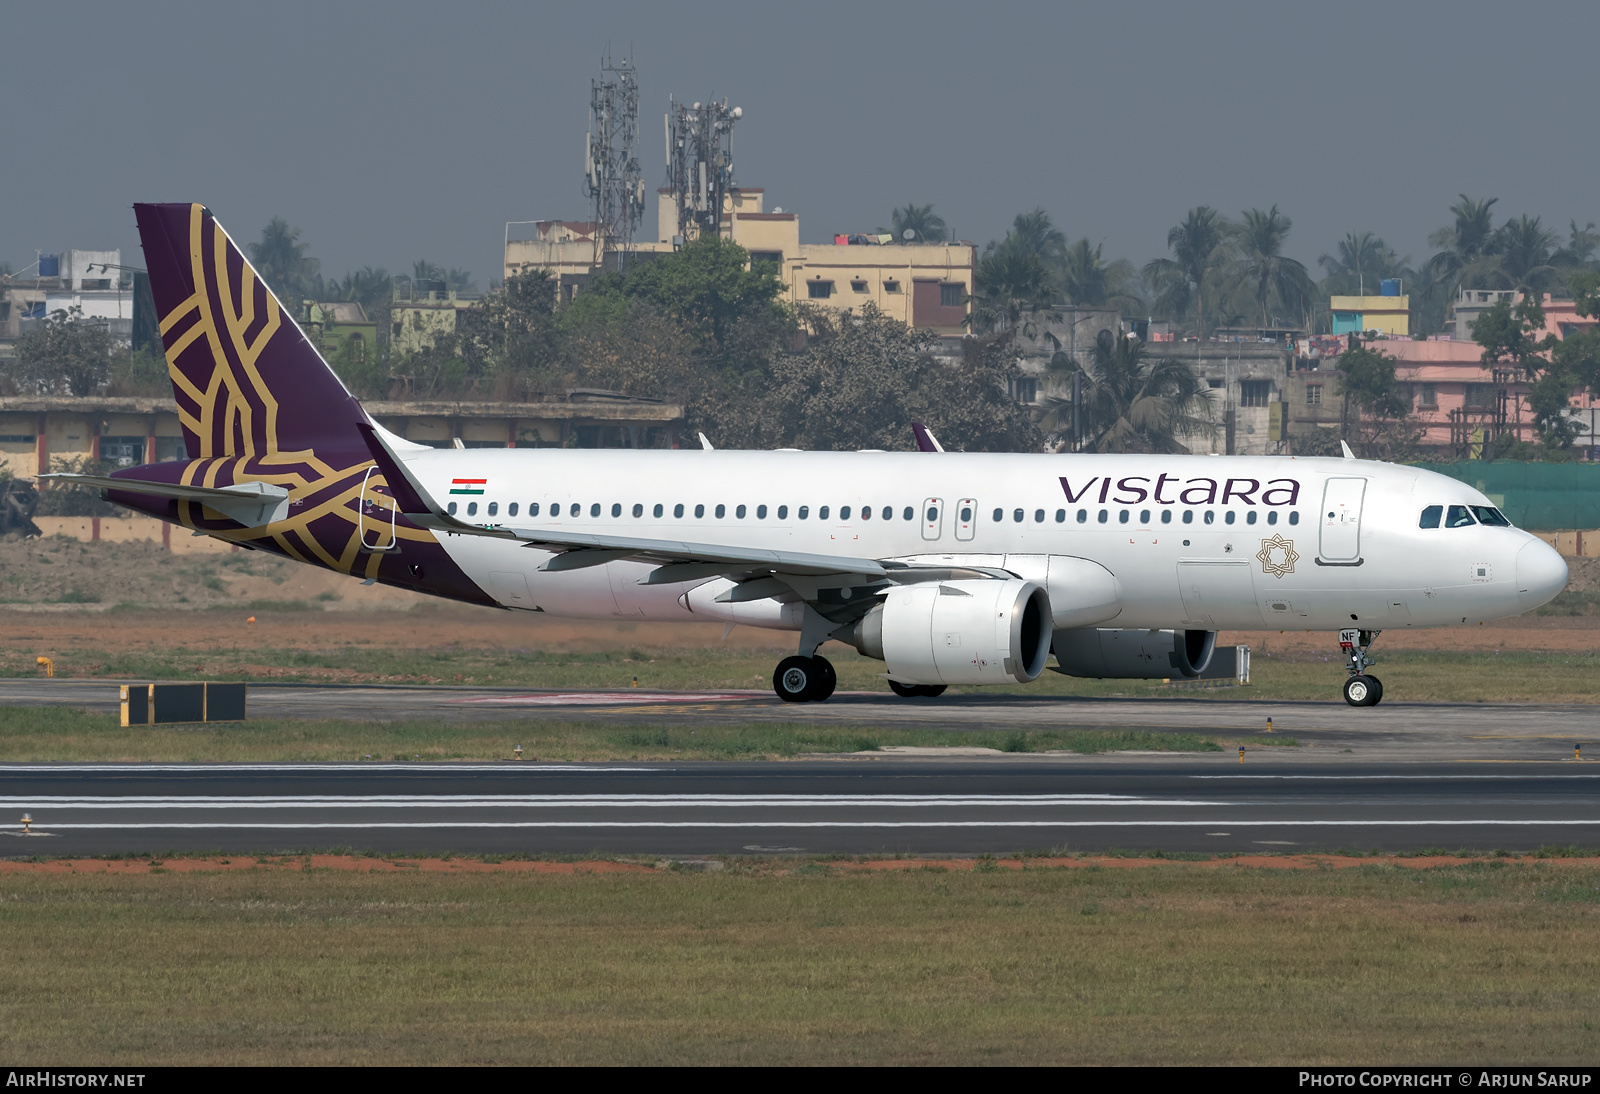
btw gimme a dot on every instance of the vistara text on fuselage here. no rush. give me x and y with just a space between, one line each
951 568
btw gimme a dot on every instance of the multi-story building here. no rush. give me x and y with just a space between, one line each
92 281
925 285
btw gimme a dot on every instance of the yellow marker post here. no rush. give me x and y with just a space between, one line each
635 681
1241 753
518 751
1269 725
1577 752
49 665
27 819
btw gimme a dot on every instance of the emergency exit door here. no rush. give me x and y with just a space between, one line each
1341 520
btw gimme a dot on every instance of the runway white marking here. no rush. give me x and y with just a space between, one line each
602 801
613 698
838 824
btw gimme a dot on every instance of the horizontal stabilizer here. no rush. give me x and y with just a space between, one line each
249 503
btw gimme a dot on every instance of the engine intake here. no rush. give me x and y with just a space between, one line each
1133 654
959 632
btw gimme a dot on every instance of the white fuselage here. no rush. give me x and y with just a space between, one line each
1191 541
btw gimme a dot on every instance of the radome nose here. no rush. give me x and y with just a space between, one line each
1541 574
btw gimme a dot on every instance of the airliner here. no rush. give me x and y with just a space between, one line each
950 568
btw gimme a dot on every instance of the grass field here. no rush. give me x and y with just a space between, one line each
805 962
64 735
1465 676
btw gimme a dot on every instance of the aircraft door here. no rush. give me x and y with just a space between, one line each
378 515
966 518
1341 520
932 517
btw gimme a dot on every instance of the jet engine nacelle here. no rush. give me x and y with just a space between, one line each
959 632
1133 654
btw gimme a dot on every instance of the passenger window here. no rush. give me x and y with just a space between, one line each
1188 516
594 510
722 511
888 512
1166 516
739 512
472 508
616 509
1038 516
866 512
699 512
966 514
999 515
1016 515
1083 516
844 512
1456 517
1103 515
1250 517
1122 517
761 512
638 510
1230 516
1272 518
1294 518
511 510
783 512
1488 514
657 511
1211 518
677 510
803 512
933 515
1144 516
822 512
451 509
910 513
1061 516
494 508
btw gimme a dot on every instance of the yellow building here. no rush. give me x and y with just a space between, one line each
1353 314
922 284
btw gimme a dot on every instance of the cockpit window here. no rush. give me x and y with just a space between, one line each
1458 517
1430 516
1488 514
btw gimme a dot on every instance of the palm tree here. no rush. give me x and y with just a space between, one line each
1088 280
1581 246
1464 245
925 225
1009 284
280 258
1263 265
1199 249
1363 259
1132 403
1034 233
369 286
1522 250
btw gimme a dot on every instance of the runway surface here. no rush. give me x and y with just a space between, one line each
847 806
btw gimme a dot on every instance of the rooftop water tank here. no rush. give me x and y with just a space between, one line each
1390 286
49 265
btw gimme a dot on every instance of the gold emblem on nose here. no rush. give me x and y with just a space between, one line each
1277 556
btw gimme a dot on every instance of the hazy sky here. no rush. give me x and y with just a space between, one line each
390 132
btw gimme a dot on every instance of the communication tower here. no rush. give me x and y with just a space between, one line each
612 177
700 163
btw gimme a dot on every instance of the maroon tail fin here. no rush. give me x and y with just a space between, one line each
247 381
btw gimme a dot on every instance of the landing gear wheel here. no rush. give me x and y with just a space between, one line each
825 680
1362 691
794 679
1378 684
905 691
930 691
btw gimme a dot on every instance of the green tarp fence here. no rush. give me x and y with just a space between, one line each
1542 497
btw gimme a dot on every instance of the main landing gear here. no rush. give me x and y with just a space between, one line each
804 679
1361 689
916 691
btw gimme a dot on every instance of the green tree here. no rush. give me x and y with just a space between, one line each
1582 246
1513 334
370 286
1200 249
1272 275
281 260
1362 261
1017 281
65 354
925 225
1522 250
1088 280
1131 401
1465 244
1368 383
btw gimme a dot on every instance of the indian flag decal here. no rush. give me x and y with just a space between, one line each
467 486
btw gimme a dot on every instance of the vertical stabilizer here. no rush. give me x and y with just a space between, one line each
247 381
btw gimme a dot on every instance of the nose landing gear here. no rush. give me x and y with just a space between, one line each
1361 689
